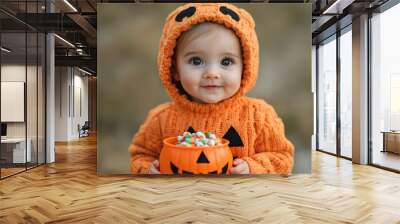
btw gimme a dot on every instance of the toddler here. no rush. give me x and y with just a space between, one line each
208 60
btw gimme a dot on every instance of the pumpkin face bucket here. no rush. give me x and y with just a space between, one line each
195 160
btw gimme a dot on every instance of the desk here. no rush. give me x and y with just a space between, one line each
15 148
391 141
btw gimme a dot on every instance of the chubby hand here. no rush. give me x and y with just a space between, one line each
240 167
154 167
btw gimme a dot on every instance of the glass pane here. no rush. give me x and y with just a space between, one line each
13 87
386 89
41 98
327 96
31 101
346 94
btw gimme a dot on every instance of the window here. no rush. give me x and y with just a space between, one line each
385 88
327 95
346 93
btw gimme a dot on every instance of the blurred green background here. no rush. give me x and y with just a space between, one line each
129 85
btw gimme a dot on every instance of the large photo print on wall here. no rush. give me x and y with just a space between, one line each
204 89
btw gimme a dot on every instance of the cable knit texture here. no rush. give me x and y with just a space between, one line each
265 147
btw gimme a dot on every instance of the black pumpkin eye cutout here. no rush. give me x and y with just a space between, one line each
225 169
234 138
191 130
173 168
226 11
202 158
185 13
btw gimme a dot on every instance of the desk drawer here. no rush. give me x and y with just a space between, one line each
6 154
392 142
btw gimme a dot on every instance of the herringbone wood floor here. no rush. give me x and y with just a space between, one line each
69 191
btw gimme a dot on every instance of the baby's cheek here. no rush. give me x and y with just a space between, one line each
232 85
189 83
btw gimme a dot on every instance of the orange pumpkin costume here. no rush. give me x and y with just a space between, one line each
255 132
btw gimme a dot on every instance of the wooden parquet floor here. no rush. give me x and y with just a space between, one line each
69 191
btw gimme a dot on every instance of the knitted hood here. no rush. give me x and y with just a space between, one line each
232 17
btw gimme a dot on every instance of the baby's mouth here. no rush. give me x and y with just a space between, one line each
211 87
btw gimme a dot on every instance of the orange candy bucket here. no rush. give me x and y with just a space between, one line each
195 160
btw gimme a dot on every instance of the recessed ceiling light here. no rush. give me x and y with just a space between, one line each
84 71
5 49
338 6
64 40
70 5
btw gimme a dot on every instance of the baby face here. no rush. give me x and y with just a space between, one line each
209 63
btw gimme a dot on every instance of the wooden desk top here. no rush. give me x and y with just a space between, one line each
391 132
14 140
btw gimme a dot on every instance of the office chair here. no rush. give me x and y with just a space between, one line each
84 130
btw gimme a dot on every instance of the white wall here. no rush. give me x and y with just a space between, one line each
70 84
61 103
80 89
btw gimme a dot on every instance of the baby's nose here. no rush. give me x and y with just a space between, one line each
211 75
212 72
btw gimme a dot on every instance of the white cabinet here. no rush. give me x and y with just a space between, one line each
18 149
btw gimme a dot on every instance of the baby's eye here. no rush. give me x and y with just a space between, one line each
195 61
227 61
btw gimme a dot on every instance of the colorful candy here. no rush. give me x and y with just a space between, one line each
199 139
